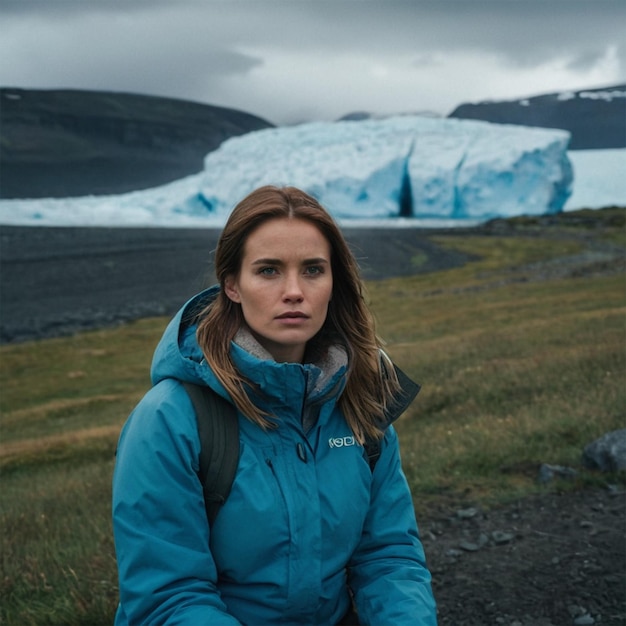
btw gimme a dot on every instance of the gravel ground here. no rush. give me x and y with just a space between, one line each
558 559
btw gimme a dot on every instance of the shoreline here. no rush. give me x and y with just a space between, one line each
56 281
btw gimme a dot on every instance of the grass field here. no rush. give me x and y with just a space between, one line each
520 362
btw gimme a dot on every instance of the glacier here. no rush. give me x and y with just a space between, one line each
599 181
404 166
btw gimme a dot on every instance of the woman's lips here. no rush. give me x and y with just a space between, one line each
292 317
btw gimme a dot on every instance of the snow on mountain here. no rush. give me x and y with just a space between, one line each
598 181
406 166
597 94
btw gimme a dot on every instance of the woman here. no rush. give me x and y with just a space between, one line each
309 530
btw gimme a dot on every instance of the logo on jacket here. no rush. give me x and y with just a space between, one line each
341 442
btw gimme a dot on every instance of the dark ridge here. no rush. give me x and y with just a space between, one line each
63 143
595 122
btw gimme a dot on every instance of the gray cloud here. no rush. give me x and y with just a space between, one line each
287 60
73 7
585 60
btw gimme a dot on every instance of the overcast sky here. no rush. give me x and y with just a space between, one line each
295 60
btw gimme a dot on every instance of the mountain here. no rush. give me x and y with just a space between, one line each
596 118
63 143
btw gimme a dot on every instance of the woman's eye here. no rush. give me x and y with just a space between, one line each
314 270
267 271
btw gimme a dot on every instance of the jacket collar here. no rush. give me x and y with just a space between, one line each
290 383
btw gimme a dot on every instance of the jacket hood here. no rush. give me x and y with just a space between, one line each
179 356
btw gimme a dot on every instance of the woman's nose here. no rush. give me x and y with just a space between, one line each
293 290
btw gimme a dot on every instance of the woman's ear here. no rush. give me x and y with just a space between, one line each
230 289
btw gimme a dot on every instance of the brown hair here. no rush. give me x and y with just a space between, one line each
371 384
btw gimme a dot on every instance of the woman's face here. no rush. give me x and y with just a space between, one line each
284 285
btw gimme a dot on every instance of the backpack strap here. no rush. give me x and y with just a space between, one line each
218 429
408 390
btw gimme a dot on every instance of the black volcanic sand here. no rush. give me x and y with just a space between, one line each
56 281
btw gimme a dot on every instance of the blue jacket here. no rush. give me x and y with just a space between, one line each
304 510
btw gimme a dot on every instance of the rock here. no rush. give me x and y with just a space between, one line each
453 553
608 453
469 546
467 513
548 473
499 537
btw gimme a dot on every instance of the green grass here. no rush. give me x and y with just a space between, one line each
58 564
515 372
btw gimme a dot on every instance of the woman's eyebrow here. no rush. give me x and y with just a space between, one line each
268 261
315 261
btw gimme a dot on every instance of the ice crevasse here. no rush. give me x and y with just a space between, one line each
405 166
